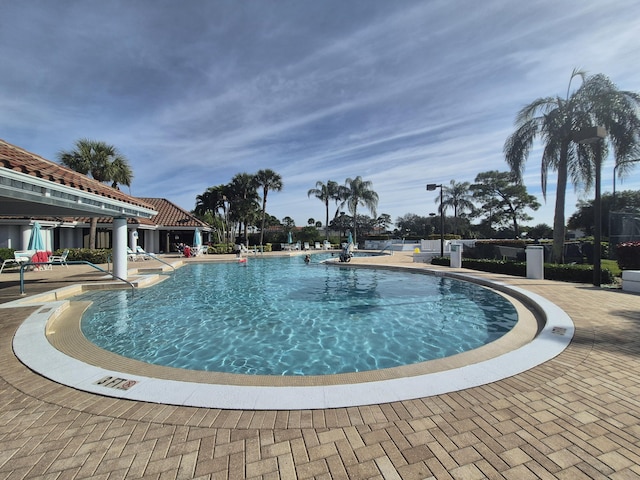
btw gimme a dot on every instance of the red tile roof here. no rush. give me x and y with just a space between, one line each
171 215
19 160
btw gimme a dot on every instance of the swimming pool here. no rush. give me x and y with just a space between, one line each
282 317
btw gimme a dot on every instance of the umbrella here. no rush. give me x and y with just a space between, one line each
197 238
289 238
35 241
350 239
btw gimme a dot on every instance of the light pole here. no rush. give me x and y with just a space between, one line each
595 135
431 187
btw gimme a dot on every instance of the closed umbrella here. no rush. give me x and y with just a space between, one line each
290 238
197 238
35 241
350 239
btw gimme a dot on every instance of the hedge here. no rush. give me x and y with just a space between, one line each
552 271
629 255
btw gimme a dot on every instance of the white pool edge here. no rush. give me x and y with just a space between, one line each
33 349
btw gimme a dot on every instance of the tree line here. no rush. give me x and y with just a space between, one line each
554 120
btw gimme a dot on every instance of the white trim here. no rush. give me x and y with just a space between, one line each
36 190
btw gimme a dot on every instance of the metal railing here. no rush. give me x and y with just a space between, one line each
71 262
151 256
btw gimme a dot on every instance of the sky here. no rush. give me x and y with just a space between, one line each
400 93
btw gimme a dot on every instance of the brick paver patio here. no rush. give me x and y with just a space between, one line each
576 416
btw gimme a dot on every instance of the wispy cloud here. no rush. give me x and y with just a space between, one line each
399 93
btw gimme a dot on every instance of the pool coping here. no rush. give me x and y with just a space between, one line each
33 348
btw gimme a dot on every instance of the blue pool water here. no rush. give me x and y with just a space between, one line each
279 316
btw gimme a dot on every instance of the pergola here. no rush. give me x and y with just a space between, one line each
33 186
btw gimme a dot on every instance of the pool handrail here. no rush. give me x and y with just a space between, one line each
153 256
70 262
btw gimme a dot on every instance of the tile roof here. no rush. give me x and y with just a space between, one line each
171 215
19 160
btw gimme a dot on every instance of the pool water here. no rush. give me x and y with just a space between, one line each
279 316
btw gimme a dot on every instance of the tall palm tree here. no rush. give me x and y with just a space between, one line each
103 162
457 196
326 193
358 192
267 180
555 121
243 201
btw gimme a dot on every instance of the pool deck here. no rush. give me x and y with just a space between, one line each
575 416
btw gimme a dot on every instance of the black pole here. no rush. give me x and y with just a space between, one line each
441 225
597 210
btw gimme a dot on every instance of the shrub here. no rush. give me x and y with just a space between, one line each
629 255
221 248
6 253
98 256
552 271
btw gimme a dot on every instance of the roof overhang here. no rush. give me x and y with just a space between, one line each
23 194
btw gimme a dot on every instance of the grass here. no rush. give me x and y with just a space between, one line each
612 265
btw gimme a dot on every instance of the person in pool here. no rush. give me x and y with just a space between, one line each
307 258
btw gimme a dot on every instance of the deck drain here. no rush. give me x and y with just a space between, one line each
116 382
559 330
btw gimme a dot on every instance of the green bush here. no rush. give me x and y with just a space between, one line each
6 253
97 257
629 255
221 248
552 271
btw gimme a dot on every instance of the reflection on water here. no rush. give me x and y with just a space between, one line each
282 317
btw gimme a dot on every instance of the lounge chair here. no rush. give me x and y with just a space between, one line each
131 255
19 257
144 255
60 259
306 246
326 245
317 246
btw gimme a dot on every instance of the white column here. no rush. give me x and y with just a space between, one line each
120 247
133 240
535 262
25 235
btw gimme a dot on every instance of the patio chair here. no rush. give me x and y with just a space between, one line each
131 255
60 259
19 257
144 255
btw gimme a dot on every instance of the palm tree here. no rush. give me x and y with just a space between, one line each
267 180
326 193
358 192
555 121
103 162
456 196
243 201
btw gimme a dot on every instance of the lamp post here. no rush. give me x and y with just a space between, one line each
431 187
595 135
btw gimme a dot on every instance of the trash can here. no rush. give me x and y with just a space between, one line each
456 255
535 262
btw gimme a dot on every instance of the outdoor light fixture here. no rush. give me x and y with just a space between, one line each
430 187
587 136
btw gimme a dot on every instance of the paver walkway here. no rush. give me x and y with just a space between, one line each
576 416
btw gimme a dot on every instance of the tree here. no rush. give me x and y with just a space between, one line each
212 201
503 199
358 192
268 180
243 201
103 162
458 197
555 121
583 218
326 193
